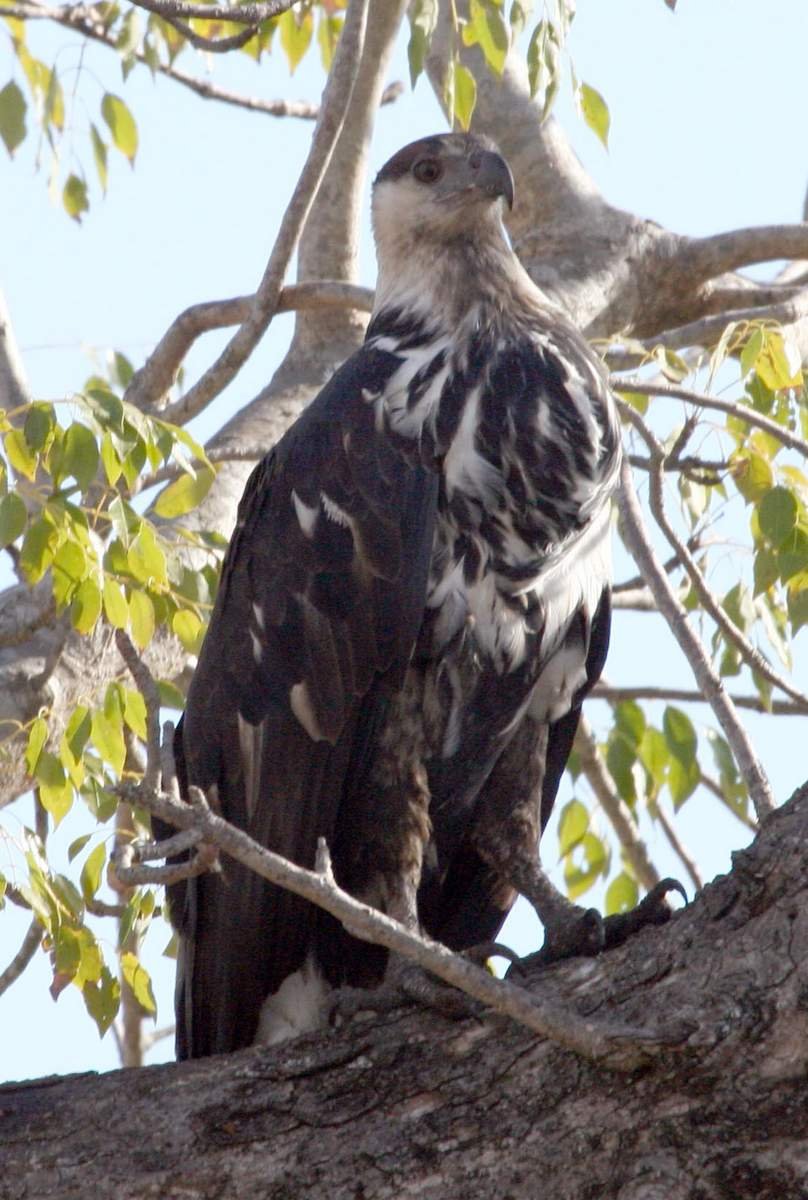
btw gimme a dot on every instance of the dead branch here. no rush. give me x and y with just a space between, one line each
614 694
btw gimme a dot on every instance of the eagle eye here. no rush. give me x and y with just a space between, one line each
427 170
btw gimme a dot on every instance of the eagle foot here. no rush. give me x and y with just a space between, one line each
653 909
585 933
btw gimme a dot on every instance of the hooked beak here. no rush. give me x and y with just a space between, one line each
492 175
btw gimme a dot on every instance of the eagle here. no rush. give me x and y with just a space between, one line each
413 606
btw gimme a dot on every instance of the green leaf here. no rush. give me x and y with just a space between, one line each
189 630
110 459
108 739
295 30
72 743
74 197
102 999
145 557
20 454
595 111
766 570
683 779
752 474
12 116
654 755
77 845
777 514
13 519
572 825
622 894
328 30
621 758
487 29
636 400
100 156
170 695
36 554
679 734
751 351
465 95
134 712
38 425
141 617
185 493
80 455
37 737
85 608
579 879
69 570
121 125
778 363
792 557
139 981
92 871
116 609
55 789
630 720
423 18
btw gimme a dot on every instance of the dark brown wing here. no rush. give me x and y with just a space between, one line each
320 602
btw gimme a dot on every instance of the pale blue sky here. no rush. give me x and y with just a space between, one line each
707 112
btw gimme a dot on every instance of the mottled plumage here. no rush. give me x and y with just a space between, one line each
413 606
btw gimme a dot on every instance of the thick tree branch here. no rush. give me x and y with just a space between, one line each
710 256
412 1106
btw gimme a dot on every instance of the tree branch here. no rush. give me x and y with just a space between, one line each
336 98
710 603
149 385
735 409
710 256
30 944
679 848
241 14
608 691
619 814
639 544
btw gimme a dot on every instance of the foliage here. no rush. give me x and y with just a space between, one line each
70 475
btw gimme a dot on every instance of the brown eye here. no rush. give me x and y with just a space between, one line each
427 170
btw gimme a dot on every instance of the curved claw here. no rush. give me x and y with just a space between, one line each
653 909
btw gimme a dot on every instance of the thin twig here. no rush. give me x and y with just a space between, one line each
712 785
608 691
147 686
336 97
619 814
639 544
710 603
707 330
28 948
755 419
679 848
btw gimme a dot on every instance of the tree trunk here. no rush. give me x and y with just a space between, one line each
705 1100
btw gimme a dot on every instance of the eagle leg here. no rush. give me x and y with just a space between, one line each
653 909
404 984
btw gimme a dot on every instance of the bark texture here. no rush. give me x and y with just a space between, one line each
414 1105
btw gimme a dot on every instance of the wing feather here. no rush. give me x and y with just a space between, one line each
321 599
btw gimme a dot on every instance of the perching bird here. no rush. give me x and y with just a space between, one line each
414 603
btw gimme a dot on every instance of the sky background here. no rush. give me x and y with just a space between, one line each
707 108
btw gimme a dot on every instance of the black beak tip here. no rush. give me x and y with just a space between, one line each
495 177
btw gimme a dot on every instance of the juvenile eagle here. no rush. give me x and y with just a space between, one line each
414 603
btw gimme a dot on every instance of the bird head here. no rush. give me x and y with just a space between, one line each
440 187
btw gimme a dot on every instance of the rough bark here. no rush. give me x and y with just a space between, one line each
414 1105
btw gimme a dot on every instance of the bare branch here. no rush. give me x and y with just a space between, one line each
755 419
638 542
211 45
679 848
14 390
710 603
148 688
30 945
707 257
615 694
241 14
336 97
707 330
150 384
619 814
